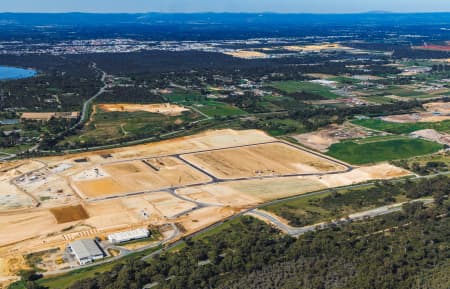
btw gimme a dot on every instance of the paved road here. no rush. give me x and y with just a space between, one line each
84 111
216 180
298 231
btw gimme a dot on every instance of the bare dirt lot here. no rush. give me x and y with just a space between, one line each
432 135
416 117
247 54
322 139
251 192
383 171
69 214
261 160
162 108
139 175
440 107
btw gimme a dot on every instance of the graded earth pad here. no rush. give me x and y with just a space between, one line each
139 175
382 171
252 192
261 160
161 108
21 226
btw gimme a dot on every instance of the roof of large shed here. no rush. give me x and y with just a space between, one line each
86 248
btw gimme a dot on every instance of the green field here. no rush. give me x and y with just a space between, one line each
379 99
406 92
218 109
292 86
401 128
183 96
115 127
379 151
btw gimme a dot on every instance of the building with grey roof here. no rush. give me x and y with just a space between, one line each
86 251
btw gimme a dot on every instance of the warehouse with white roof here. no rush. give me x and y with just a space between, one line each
86 251
129 236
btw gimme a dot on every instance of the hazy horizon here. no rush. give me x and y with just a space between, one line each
230 6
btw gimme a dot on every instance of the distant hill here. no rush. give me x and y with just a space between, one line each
87 19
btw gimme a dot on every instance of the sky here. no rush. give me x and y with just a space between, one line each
281 6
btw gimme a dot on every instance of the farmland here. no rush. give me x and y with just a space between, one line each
378 151
307 87
218 109
402 128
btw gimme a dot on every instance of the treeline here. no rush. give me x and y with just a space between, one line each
129 95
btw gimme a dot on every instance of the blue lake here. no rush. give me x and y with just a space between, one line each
7 72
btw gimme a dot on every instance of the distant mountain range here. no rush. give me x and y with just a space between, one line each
87 19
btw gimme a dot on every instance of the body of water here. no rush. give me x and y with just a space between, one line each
7 72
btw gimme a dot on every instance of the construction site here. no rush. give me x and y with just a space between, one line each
161 108
322 139
188 183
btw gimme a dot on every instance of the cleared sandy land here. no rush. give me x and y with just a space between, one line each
162 108
202 218
119 213
166 205
432 135
252 192
247 54
21 226
261 160
383 171
416 117
140 175
440 107
11 196
321 47
46 116
322 139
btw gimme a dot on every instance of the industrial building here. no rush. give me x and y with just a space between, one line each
128 236
86 251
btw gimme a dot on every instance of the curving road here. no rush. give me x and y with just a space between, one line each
84 111
298 231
